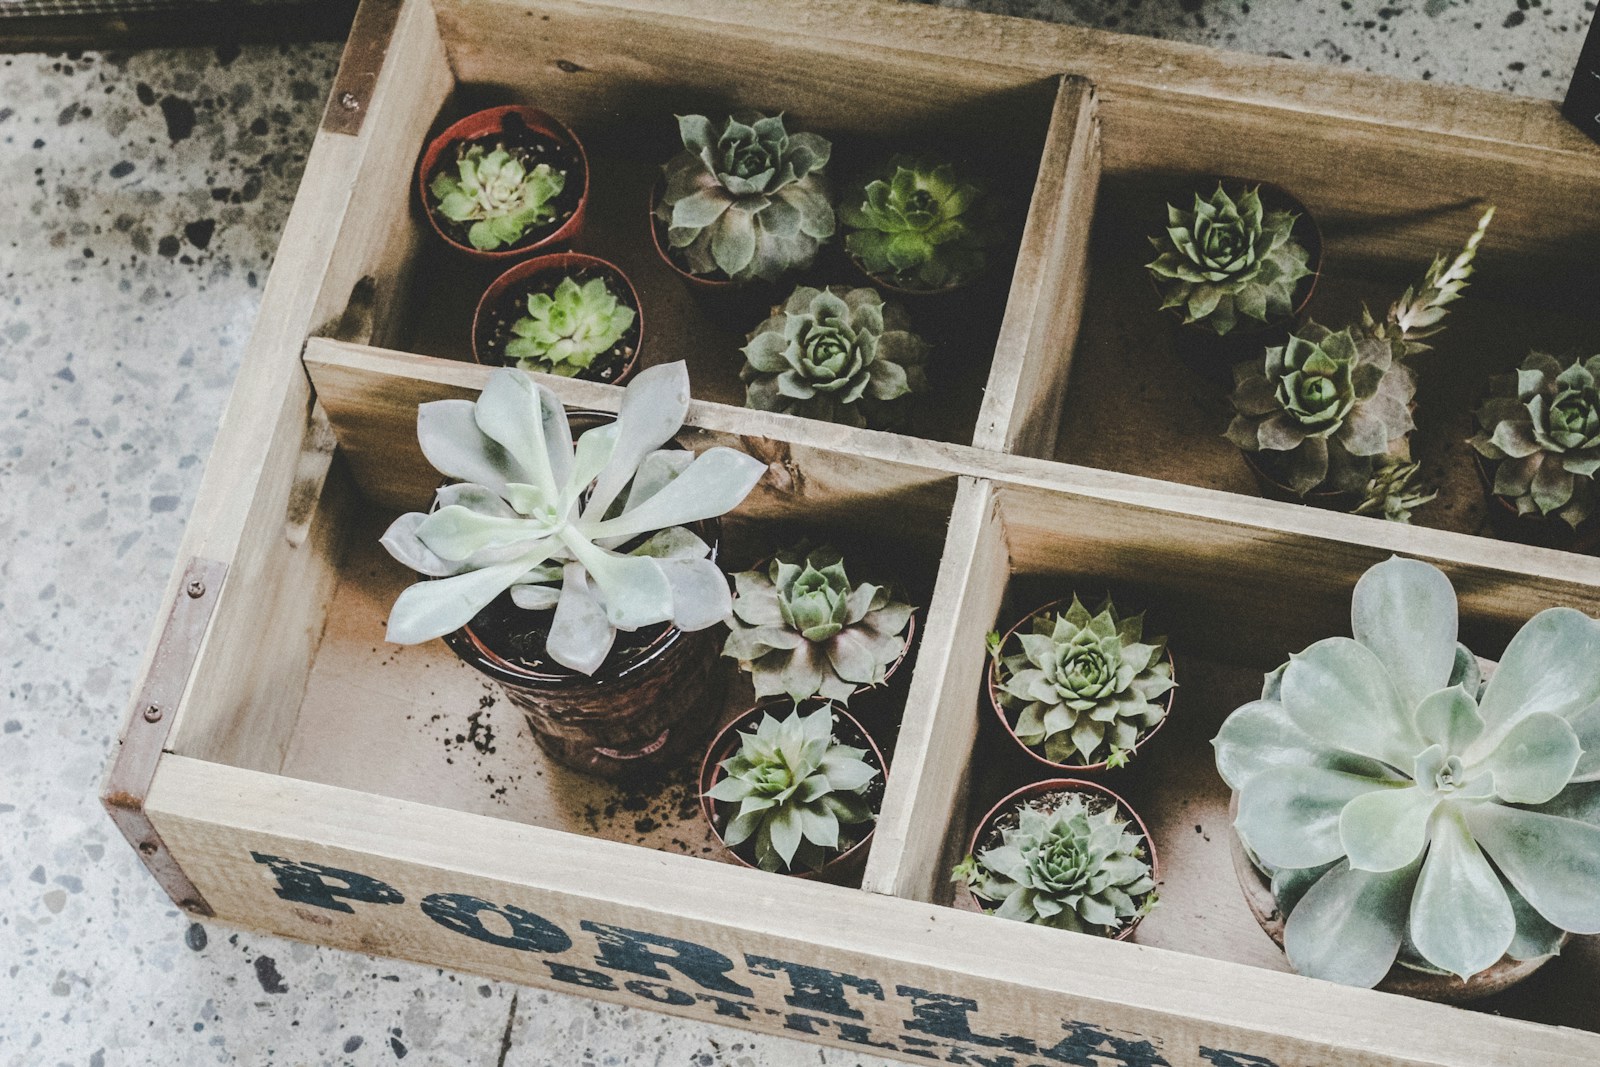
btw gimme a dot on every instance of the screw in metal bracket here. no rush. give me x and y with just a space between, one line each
196 589
152 713
349 102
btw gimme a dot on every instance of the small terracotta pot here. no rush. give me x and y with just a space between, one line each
844 868
515 283
913 296
992 687
484 125
1211 356
1545 531
987 825
1402 979
737 301
1329 499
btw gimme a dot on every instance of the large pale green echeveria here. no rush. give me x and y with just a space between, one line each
1406 810
746 198
1082 683
1073 868
1226 260
838 354
799 792
549 521
1542 423
498 195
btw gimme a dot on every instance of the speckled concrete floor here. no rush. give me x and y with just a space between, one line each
140 203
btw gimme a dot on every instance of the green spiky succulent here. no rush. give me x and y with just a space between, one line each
497 196
922 225
1541 424
1406 809
1392 493
802 630
745 198
1229 260
837 354
1082 683
800 792
564 332
1074 867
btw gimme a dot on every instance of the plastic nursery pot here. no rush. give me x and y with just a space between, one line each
1274 488
738 300
532 128
1545 531
1212 357
506 300
987 832
992 688
846 867
642 712
1403 978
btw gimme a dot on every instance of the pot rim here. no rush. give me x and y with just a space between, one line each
720 748
1069 785
457 132
1583 537
698 281
550 262
992 688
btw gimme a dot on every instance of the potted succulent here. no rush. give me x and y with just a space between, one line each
1063 853
1077 691
1236 272
565 314
1410 818
796 795
504 183
579 575
1317 417
801 629
838 354
745 201
1540 435
920 226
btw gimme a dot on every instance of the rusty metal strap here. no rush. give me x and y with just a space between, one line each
360 66
1583 98
145 736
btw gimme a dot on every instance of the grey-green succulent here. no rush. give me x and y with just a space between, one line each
1227 261
563 332
1083 684
1407 810
745 198
802 630
921 225
1393 493
802 795
1068 862
496 195
838 354
1541 426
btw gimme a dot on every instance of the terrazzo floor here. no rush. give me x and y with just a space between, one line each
141 198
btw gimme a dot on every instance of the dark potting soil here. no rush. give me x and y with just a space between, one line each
532 148
518 636
606 366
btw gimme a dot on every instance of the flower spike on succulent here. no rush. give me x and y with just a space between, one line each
1074 868
1226 261
564 332
923 225
1419 312
1541 424
746 198
802 630
837 354
498 195
799 792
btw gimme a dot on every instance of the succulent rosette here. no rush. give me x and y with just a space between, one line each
497 196
1074 867
838 354
745 198
1323 406
1406 810
1541 424
923 226
563 332
1229 260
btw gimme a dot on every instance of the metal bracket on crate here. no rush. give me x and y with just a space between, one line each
1583 97
360 65
145 735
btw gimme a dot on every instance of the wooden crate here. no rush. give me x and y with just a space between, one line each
284 769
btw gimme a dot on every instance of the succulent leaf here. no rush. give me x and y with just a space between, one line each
497 194
921 225
1374 778
563 332
1541 427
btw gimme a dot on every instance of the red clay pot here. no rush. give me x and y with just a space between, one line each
986 828
992 687
842 869
516 282
486 124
